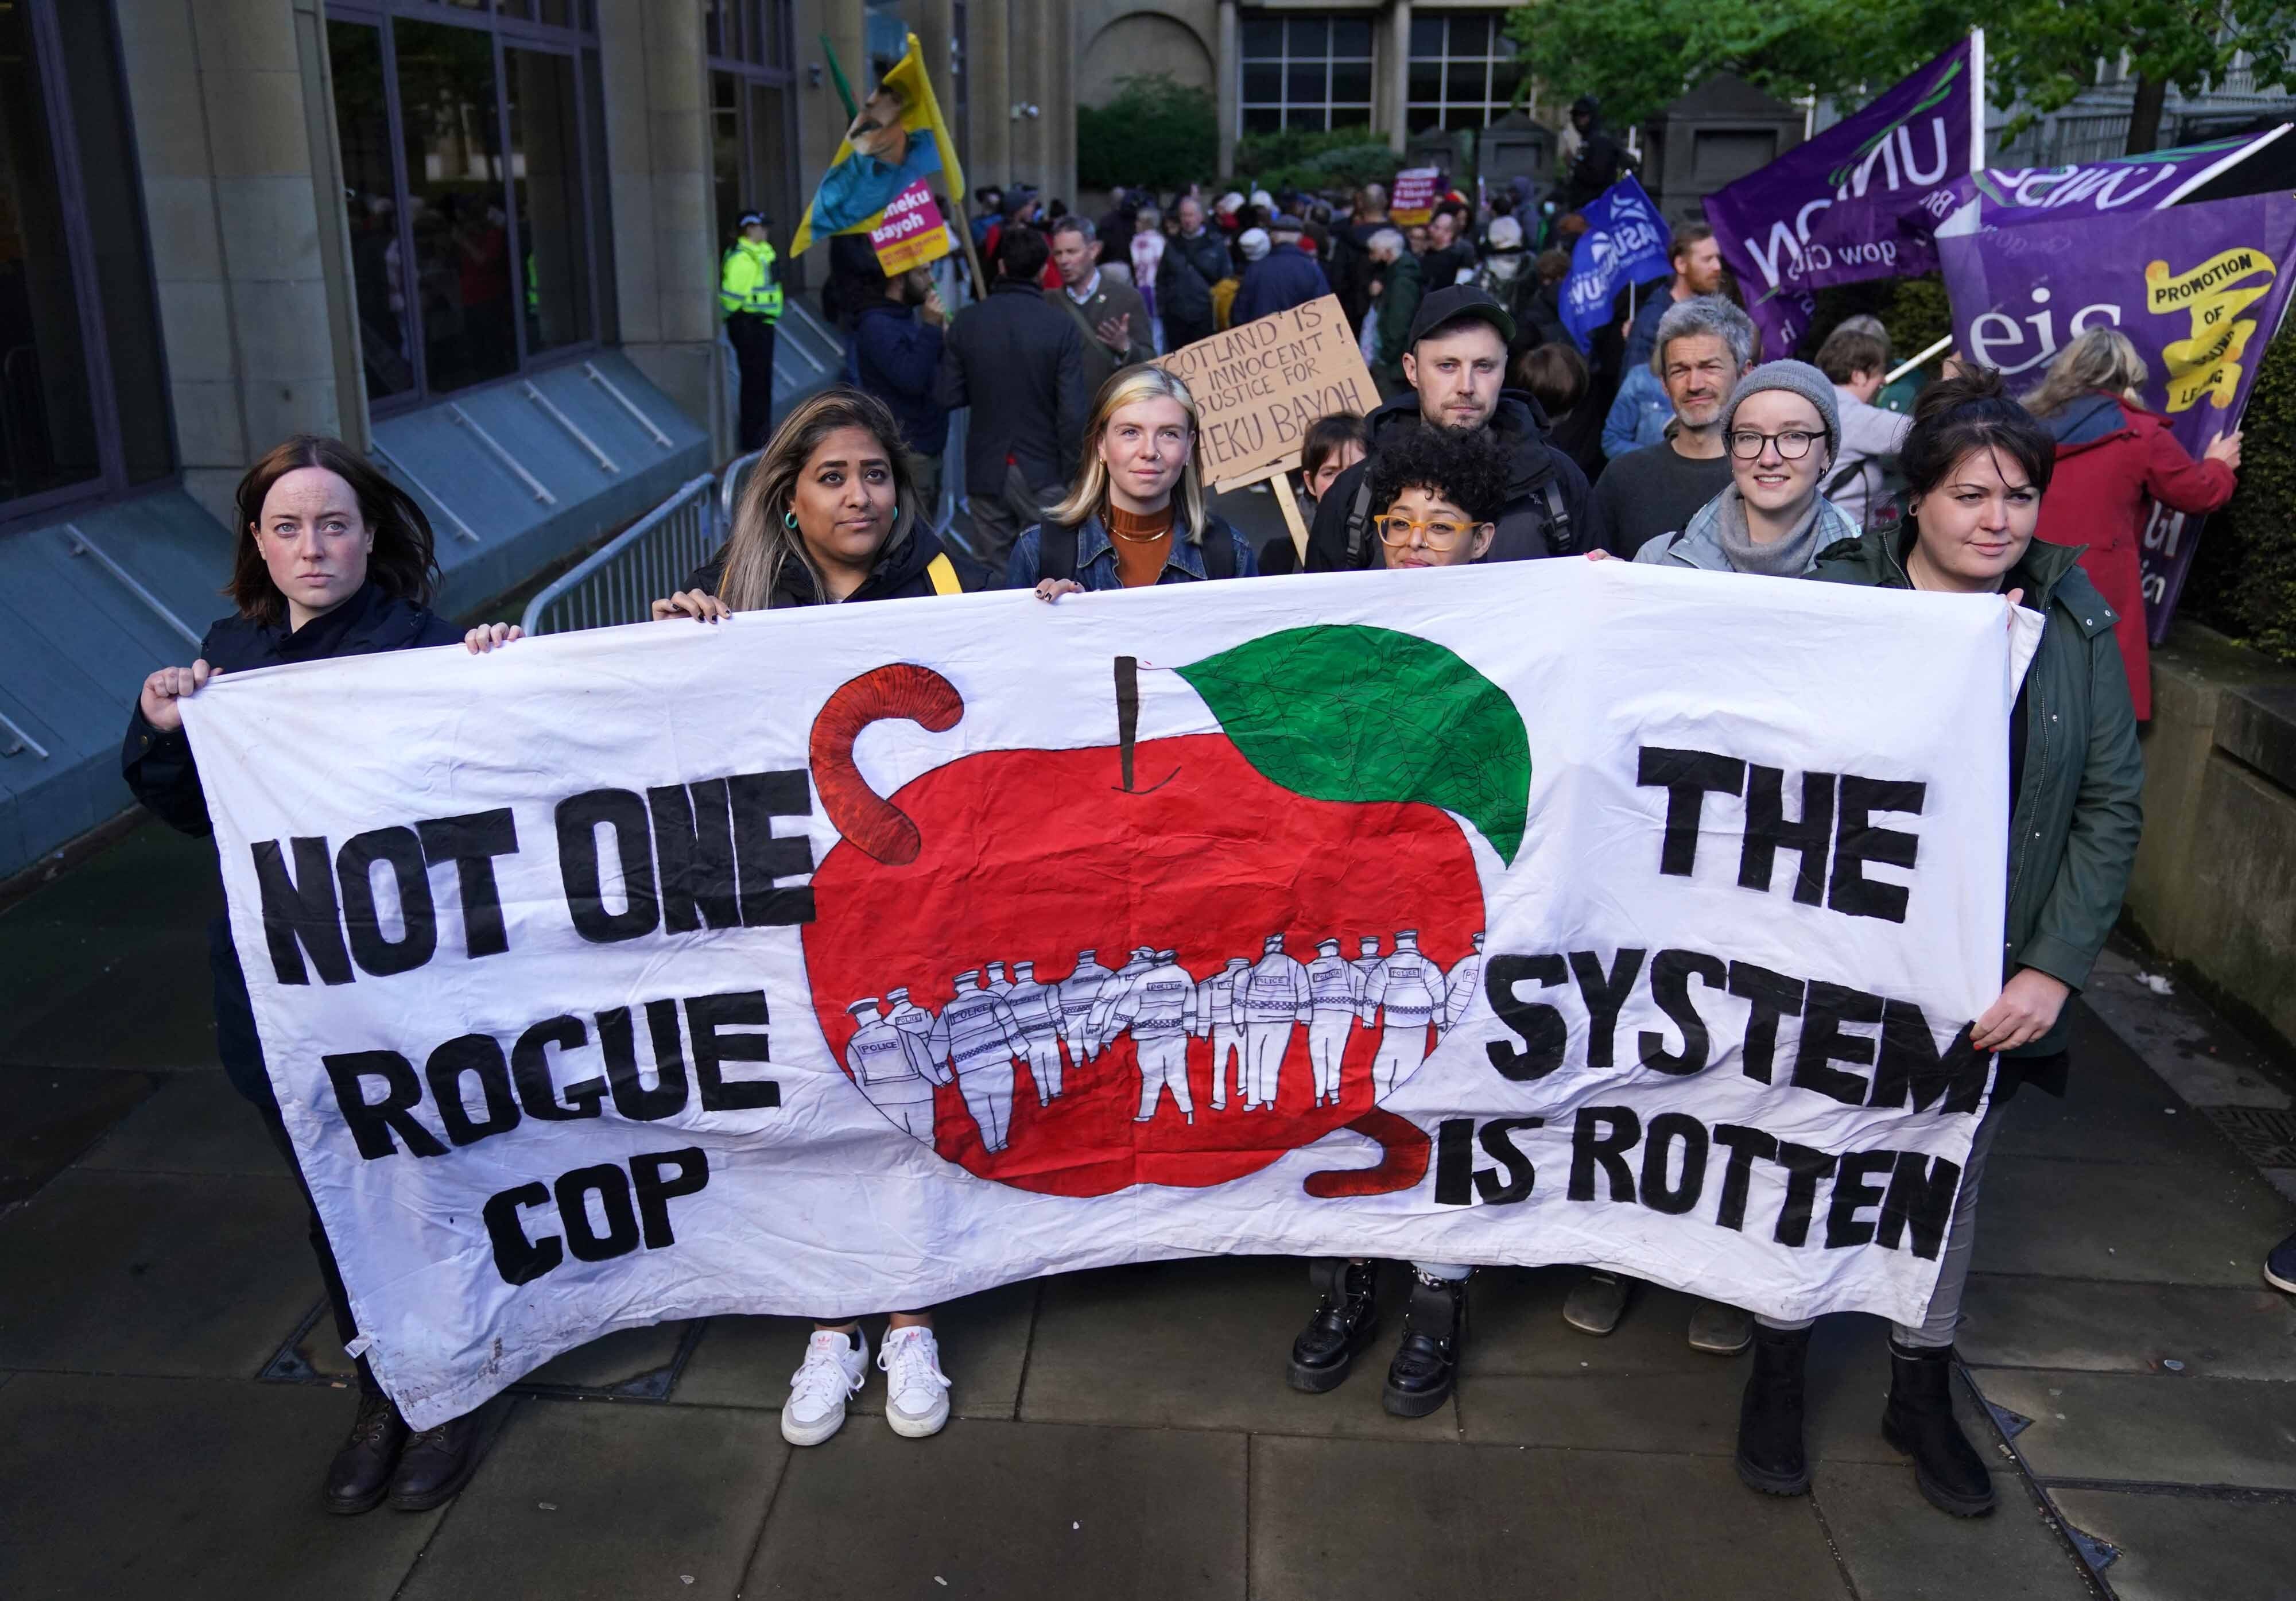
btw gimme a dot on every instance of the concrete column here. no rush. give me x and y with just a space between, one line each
1056 128
224 133
1227 87
992 93
664 236
1392 119
936 27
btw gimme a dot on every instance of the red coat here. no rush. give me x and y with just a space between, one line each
2099 497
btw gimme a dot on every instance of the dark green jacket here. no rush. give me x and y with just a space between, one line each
2078 809
1398 304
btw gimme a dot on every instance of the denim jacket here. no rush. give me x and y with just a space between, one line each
1095 556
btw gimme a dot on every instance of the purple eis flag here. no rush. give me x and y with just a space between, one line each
1827 211
2199 289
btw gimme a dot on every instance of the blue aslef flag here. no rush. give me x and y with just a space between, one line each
1626 241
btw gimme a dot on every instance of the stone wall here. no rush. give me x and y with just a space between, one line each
2215 886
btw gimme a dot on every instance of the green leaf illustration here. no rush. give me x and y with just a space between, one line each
1346 713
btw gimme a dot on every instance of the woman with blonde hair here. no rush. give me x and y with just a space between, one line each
2115 458
1135 514
830 514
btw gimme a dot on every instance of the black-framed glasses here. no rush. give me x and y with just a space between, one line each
1441 532
1746 444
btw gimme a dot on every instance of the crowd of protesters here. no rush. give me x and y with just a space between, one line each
1498 440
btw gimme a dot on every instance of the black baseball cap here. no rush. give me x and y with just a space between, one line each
756 220
1454 303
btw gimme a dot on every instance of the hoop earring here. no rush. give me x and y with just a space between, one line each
788 520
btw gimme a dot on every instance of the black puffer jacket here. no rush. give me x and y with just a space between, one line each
1185 276
902 573
160 769
1526 527
1019 364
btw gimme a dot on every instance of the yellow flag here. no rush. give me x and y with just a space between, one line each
897 141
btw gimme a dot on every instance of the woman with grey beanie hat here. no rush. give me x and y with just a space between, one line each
1783 431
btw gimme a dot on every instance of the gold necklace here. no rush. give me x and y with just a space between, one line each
1116 532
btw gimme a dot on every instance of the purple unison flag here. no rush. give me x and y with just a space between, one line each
1893 157
2198 289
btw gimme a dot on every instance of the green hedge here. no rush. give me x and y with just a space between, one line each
2243 576
1156 131
1343 158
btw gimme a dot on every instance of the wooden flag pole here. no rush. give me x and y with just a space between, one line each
1292 518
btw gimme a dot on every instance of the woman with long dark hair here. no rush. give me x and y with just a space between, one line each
332 559
1976 465
830 514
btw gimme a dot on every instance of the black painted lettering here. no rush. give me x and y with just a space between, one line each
372 1123
1671 971
1822 1042
583 1238
1744 1146
1809 836
1854 1190
1687 776
1602 1135
1772 996
1497 1137
472 842
401 851
693 843
1540 1027
1604 994
530 1070
1912 1066
1664 1189
1920 1201
707 1017
298 911
632 1098
472 1053
1454 1162
578 867
660 1178
1856 841
519 1260
1805 1170
764 857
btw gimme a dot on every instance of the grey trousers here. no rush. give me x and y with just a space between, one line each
1952 1272
999 513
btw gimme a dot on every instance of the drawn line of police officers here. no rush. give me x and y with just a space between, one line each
900 1052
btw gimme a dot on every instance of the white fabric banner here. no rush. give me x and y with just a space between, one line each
1554 912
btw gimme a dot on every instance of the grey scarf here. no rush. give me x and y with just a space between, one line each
1787 558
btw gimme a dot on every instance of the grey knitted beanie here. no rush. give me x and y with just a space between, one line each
1796 377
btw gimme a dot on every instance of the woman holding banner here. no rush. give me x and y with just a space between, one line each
1135 514
831 513
2114 459
1976 465
332 560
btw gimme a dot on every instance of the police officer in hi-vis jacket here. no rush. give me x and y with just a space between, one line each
749 295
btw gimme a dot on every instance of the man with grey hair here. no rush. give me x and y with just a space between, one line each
1703 345
1112 316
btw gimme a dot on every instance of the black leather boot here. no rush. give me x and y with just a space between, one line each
1770 1456
436 1463
1919 1421
359 1476
1434 1329
1346 1321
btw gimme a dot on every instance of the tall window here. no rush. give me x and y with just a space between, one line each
751 94
1306 72
83 395
1462 71
469 148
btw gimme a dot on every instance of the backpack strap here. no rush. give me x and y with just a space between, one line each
942 574
1360 523
1558 536
1057 551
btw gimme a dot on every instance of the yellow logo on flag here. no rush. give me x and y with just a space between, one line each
2209 363
898 139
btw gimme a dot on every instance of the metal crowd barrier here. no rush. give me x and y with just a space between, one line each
651 558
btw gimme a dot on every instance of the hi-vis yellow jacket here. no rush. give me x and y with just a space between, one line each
749 283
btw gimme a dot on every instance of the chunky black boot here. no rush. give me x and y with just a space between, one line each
359 1476
1919 1421
1770 1456
436 1465
1434 1329
1346 1321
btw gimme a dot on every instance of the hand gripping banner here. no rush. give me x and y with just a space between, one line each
849 959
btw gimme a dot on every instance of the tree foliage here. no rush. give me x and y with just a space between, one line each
1343 158
1156 131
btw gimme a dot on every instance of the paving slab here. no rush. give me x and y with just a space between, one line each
48 1116
145 1000
2164 1429
1898 1548
2180 1547
600 1499
984 1345
2188 1046
1203 1344
186 1488
1338 1520
153 877
1517 1329
154 1274
2128 1222
627 1358
2115 1108
995 1511
2067 1323
196 1122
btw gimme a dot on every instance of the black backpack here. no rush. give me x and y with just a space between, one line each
1057 550
1557 529
1885 507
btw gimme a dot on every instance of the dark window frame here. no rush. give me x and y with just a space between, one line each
771 26
506 33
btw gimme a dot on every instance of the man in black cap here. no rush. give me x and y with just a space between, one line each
1456 364
1600 159
749 295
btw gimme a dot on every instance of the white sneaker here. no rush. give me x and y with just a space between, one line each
916 1390
835 1367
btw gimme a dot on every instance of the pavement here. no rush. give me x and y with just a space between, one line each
168 1392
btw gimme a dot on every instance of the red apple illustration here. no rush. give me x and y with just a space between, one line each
1325 810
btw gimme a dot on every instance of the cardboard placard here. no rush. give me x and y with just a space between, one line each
1413 201
1262 386
913 232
